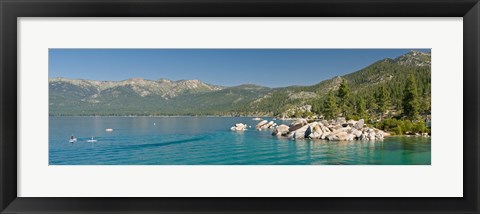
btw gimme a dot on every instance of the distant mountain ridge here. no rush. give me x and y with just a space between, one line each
143 87
139 96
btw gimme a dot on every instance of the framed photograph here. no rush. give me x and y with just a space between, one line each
227 106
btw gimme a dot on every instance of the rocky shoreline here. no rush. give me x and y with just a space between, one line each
333 130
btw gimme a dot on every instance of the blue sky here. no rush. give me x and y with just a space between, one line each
227 67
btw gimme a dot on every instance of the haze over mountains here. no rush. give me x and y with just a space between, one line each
193 97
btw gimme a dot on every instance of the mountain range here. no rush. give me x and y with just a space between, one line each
139 96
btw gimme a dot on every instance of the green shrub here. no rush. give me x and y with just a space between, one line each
397 130
354 117
419 127
401 126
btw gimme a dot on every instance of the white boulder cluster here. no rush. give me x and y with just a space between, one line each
338 130
264 124
239 127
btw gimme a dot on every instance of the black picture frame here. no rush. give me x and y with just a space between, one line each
10 10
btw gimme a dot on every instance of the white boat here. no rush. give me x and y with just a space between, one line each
72 139
92 140
257 118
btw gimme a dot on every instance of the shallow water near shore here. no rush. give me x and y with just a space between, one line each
209 141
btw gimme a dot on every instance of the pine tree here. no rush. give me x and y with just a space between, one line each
317 106
330 106
344 96
371 103
427 99
382 100
361 106
411 104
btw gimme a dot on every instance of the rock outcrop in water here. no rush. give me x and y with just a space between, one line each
264 124
281 130
239 127
339 130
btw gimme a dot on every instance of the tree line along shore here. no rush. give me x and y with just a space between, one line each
341 117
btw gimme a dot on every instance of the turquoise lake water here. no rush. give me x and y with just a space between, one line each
209 141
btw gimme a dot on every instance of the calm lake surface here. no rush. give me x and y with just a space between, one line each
209 141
